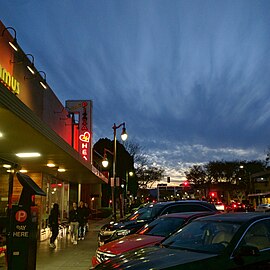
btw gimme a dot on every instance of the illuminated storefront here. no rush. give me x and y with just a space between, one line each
33 120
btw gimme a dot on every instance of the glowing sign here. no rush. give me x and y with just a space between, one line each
85 139
21 216
82 140
9 81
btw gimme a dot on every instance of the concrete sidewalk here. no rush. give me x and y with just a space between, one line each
67 256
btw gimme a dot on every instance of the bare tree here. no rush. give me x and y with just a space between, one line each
146 174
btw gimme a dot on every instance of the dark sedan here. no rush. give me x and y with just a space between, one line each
224 241
138 219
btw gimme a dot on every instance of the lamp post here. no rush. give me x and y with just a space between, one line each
126 190
249 177
123 137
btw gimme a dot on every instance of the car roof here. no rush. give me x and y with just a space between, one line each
186 214
182 202
210 206
241 217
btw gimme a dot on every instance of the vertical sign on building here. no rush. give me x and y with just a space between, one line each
82 112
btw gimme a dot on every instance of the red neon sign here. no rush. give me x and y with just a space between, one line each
84 140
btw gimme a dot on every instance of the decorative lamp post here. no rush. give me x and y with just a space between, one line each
127 191
123 137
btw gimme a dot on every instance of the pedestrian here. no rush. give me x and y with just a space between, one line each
82 216
54 224
74 223
88 214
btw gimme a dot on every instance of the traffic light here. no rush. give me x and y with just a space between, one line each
213 194
186 184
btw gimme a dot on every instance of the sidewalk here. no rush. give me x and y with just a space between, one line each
67 256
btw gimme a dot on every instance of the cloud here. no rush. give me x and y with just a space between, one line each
189 78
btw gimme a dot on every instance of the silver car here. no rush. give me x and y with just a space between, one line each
265 207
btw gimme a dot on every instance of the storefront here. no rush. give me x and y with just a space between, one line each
261 188
33 120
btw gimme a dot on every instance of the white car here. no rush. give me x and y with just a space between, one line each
265 207
220 206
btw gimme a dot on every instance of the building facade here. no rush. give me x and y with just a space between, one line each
33 120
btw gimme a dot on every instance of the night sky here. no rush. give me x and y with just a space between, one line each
191 79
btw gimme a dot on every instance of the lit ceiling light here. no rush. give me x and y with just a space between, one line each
61 170
7 166
1 135
31 66
43 81
14 43
23 171
10 171
51 165
43 84
27 155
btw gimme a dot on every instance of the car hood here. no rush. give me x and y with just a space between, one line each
130 242
123 225
158 258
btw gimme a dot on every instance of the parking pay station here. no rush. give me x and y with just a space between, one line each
22 228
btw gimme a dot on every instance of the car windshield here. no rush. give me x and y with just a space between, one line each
144 213
203 236
162 226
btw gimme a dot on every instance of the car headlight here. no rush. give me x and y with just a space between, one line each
122 232
103 256
106 233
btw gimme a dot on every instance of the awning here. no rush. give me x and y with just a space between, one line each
259 194
24 131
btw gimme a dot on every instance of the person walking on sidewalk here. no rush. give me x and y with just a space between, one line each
54 224
74 223
82 217
88 214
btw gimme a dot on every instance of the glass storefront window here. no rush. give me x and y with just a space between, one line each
57 192
4 177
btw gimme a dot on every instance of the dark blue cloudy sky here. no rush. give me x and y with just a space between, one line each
191 79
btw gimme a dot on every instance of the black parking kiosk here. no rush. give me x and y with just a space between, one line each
22 229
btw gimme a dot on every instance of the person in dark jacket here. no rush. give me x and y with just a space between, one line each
54 224
82 217
74 223
88 214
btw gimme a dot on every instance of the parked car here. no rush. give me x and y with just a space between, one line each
223 241
239 207
148 235
265 207
220 206
139 218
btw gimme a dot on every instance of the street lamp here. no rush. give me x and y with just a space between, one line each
123 137
126 190
105 161
242 167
